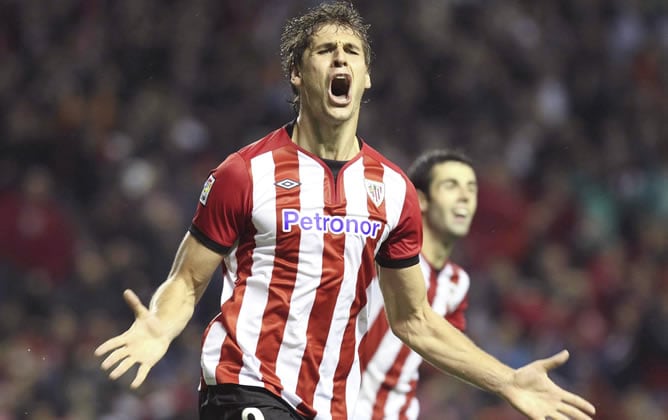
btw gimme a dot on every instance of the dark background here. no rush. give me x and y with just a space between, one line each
113 112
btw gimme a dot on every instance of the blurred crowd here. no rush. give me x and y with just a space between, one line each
112 112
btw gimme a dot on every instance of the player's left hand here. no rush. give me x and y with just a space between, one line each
535 395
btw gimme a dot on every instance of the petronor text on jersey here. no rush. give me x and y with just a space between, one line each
332 224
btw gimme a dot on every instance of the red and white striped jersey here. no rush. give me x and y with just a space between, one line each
300 250
389 367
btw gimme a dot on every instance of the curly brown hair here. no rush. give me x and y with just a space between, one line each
298 32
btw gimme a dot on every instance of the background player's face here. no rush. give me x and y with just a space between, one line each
452 201
333 74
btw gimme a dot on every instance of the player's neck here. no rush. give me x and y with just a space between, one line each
435 250
328 141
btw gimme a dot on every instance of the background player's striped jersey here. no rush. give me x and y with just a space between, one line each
300 250
390 368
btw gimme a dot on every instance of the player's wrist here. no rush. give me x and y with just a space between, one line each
506 386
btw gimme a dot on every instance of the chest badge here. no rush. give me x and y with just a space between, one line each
375 190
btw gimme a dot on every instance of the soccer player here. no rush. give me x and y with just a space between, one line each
298 219
447 192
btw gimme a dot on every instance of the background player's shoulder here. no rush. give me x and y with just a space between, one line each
457 271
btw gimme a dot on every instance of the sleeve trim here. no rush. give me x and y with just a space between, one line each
204 240
403 263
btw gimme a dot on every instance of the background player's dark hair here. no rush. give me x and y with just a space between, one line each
298 34
420 171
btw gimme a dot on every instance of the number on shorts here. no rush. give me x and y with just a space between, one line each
252 413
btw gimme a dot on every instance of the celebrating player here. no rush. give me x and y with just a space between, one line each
298 219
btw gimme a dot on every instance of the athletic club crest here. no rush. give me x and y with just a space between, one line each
375 190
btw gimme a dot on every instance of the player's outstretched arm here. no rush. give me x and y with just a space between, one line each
528 389
172 306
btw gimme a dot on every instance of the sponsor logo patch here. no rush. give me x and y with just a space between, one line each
206 190
375 190
329 223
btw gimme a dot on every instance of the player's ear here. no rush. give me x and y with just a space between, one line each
422 199
367 80
295 76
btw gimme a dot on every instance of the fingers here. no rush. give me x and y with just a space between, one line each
134 303
122 367
559 416
114 358
571 413
141 375
118 341
126 362
109 345
556 360
579 403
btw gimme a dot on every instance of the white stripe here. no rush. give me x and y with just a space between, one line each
355 193
375 302
210 357
413 410
440 302
394 200
230 278
249 322
456 292
394 196
211 352
379 365
292 350
397 397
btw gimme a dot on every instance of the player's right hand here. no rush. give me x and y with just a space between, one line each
144 343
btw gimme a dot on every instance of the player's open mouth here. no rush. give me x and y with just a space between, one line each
460 214
339 89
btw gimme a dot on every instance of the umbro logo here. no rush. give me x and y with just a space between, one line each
287 183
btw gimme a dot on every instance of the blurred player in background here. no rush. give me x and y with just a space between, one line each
447 191
299 219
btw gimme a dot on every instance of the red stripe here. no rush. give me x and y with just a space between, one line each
231 358
320 319
346 357
374 171
284 272
349 345
365 274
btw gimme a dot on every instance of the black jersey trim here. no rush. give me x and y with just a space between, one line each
204 240
406 262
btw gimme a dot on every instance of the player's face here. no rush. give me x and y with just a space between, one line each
333 74
453 198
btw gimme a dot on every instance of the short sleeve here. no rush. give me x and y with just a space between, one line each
402 247
224 205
